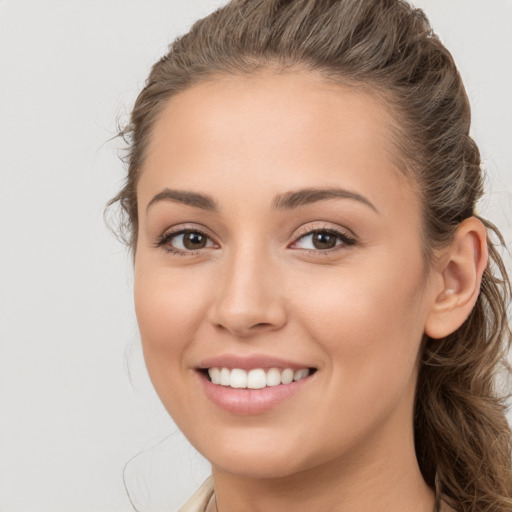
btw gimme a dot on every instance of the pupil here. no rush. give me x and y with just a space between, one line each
194 241
323 240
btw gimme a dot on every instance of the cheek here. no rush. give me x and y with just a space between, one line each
169 312
369 325
369 319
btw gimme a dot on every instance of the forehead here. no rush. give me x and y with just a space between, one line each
273 131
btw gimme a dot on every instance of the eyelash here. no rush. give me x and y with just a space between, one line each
165 239
346 240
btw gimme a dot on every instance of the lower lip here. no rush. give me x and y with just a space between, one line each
250 401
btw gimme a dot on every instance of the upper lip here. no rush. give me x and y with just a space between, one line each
249 362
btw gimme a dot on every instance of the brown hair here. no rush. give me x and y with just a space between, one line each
463 440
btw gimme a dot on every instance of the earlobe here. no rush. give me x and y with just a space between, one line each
460 271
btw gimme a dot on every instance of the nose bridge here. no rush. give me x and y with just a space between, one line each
248 297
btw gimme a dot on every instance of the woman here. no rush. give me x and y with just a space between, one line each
321 310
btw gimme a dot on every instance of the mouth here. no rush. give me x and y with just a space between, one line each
254 384
255 378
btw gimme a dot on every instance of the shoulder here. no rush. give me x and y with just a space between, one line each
199 500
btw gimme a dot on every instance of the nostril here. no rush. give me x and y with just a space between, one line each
261 325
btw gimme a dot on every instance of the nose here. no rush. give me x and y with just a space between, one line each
248 299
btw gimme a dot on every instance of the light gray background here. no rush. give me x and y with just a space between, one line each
69 417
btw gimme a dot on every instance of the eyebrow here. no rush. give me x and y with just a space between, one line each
291 200
193 199
287 201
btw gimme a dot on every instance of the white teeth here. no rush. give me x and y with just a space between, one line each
238 378
225 375
256 378
287 376
300 374
214 375
273 377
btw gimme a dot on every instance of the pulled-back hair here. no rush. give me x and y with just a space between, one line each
384 47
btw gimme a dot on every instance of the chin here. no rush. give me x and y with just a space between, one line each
261 468
258 459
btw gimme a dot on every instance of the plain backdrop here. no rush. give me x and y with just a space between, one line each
70 417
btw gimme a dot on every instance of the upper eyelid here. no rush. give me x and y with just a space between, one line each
183 228
311 227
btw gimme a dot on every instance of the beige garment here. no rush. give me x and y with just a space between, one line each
199 501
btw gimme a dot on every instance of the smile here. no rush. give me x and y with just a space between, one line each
257 378
252 385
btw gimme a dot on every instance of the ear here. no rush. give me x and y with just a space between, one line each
460 269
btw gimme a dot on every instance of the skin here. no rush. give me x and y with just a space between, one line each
357 313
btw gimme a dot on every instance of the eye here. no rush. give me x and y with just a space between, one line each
186 240
323 240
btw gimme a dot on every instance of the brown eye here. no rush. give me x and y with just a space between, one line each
185 241
324 240
193 240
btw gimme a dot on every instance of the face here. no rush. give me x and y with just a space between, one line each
278 240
